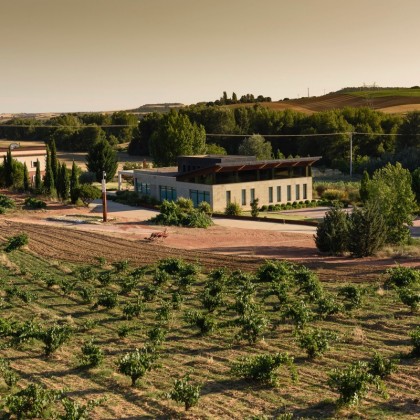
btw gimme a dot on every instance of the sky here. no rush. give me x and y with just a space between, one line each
104 55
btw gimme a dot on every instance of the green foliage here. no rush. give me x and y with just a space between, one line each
16 242
401 276
34 401
74 183
263 368
308 283
364 192
7 202
54 337
255 208
415 340
381 366
353 382
176 136
214 149
332 232
410 297
274 270
299 312
74 410
185 392
257 146
121 266
252 324
315 341
157 335
87 193
24 332
133 310
352 296
107 299
9 376
233 209
34 203
390 189
92 355
204 322
102 157
137 363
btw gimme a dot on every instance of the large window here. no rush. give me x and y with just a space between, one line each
305 191
228 198
244 197
199 196
252 192
270 194
297 192
289 193
143 187
278 194
167 193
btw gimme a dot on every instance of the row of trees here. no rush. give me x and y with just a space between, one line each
249 98
386 138
388 207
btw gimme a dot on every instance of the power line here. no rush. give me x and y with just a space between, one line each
66 126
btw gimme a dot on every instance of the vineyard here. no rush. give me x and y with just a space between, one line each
224 343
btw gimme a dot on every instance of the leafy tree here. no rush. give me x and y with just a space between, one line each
215 149
54 337
415 184
390 189
367 230
332 232
74 183
101 157
364 187
185 392
87 193
315 341
409 130
176 136
256 145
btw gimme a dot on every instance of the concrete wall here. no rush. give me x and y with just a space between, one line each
218 192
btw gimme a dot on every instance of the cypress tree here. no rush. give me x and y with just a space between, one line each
8 169
74 184
26 183
49 177
54 162
38 180
363 191
64 182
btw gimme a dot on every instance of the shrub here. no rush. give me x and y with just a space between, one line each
161 277
401 276
254 208
34 401
352 296
125 330
87 193
105 278
308 283
86 293
410 297
315 341
327 306
332 194
121 266
299 313
353 382
16 242
10 377
415 340
382 367
204 207
273 270
253 325
164 312
205 323
177 300
23 333
137 363
332 232
185 392
211 300
107 299
54 337
263 367
157 335
128 284
92 355
6 202
233 209
34 203
132 310
85 273
198 219
76 411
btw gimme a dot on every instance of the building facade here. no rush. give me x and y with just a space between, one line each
221 180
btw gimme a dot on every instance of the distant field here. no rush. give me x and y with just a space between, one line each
386 92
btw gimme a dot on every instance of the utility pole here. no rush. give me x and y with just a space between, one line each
351 154
104 209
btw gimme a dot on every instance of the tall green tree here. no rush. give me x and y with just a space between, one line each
256 145
390 189
363 191
176 136
49 184
26 183
102 157
8 169
38 179
64 182
74 183
54 161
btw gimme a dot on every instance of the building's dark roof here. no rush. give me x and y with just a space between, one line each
244 164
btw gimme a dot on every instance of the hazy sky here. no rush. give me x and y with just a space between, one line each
87 55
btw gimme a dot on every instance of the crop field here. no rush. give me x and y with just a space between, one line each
124 295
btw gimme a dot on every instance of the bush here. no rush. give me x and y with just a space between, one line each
233 209
34 401
92 355
87 193
263 367
382 367
332 232
254 208
137 363
415 340
410 297
185 392
16 242
253 325
133 310
401 276
299 313
10 377
353 382
352 296
157 335
205 323
107 299
332 195
76 411
34 203
54 337
6 202
315 341
87 177
121 266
